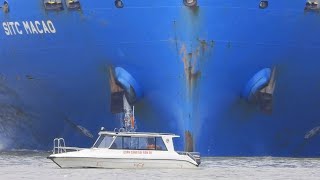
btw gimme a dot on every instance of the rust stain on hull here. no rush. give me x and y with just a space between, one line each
190 67
192 59
193 52
205 45
195 10
189 146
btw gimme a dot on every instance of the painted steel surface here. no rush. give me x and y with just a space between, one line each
191 63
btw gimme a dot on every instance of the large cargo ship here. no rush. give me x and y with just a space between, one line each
234 78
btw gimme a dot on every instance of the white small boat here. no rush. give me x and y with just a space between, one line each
125 150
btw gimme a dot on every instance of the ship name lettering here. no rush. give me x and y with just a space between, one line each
28 27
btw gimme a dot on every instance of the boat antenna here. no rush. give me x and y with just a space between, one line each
132 119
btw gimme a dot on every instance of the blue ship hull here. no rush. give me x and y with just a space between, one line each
191 63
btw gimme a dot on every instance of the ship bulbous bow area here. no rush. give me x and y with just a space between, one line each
260 89
123 83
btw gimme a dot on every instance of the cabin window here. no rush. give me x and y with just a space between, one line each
130 143
134 143
103 141
154 143
160 144
126 143
139 143
117 143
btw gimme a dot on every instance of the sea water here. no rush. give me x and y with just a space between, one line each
34 165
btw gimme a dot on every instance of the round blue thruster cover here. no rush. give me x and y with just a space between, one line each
256 83
132 89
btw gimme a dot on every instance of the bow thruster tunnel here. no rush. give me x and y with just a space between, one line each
123 83
260 89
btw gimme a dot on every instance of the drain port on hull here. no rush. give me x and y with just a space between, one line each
263 4
73 4
53 5
312 6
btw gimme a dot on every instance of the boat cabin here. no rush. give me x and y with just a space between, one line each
135 141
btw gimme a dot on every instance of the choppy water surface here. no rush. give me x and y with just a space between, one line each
34 165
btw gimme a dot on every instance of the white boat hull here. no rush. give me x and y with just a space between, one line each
124 154
117 163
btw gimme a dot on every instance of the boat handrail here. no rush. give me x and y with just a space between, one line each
74 148
59 146
117 130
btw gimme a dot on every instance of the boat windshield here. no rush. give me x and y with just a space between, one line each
103 141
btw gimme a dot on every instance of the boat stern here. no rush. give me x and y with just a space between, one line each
192 157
